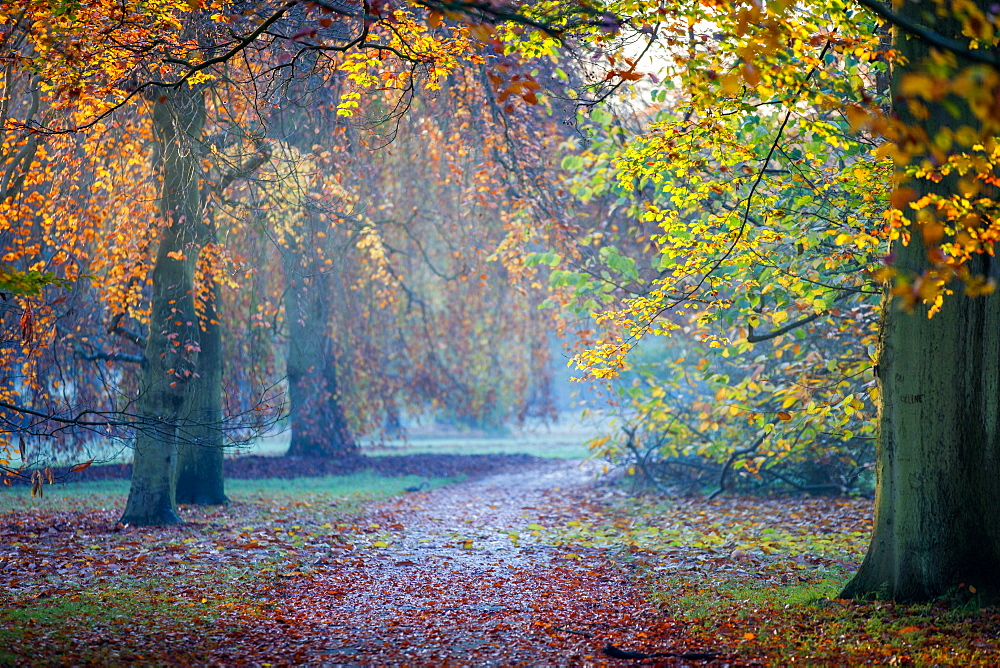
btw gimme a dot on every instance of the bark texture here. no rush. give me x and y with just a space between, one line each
172 346
937 509
200 477
318 423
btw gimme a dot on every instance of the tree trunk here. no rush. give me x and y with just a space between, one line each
318 424
937 507
172 346
199 469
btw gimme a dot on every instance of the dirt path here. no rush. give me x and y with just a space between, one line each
454 587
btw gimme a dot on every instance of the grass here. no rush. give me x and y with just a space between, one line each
111 494
562 440
536 446
123 607
779 624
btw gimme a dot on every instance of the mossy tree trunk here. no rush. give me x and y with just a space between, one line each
200 477
319 426
937 509
170 356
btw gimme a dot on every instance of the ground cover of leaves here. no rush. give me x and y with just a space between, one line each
762 576
535 566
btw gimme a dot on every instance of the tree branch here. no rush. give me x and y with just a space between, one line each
729 462
99 354
927 35
117 328
773 334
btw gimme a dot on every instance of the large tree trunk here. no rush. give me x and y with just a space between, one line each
200 478
172 346
318 424
937 508
199 468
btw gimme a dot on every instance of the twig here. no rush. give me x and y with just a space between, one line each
616 653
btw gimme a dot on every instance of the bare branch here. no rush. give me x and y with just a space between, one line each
117 328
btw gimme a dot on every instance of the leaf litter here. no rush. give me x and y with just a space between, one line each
539 566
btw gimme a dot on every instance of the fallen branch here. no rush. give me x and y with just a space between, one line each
576 633
616 653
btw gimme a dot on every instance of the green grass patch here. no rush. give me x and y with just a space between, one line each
111 494
74 621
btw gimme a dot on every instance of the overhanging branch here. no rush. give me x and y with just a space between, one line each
927 35
116 327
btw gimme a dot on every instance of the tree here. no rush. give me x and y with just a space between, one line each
783 68
169 358
936 521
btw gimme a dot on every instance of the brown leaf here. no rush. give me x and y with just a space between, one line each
80 467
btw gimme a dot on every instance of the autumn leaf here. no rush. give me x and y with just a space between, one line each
81 466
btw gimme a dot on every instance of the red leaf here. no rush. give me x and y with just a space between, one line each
80 467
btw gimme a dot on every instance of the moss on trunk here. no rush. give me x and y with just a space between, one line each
172 346
937 514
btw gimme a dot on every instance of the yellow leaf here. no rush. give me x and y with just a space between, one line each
932 233
731 84
856 116
917 85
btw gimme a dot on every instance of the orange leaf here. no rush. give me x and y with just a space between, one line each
784 415
434 19
900 197
750 74
80 467
856 116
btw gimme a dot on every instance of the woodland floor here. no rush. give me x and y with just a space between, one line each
534 565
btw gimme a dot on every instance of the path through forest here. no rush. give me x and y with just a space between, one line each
462 581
